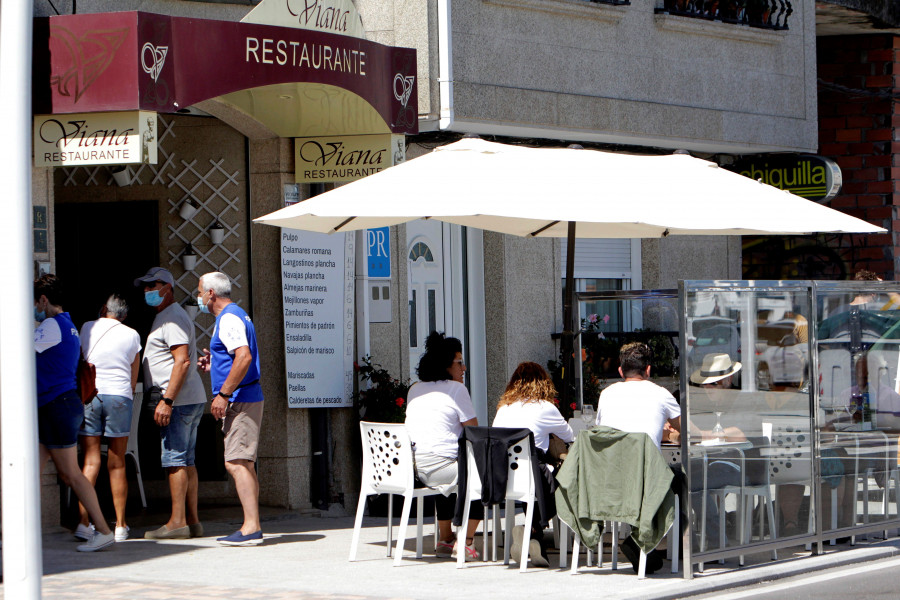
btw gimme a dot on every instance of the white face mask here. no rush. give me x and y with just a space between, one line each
203 307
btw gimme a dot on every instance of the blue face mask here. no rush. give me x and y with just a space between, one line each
39 315
203 308
152 298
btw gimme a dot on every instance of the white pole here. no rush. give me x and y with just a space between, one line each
21 500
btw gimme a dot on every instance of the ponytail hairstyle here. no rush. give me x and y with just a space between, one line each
438 358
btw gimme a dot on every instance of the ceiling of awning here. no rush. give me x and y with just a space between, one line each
307 109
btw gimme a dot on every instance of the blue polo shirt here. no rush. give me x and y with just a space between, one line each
234 329
57 348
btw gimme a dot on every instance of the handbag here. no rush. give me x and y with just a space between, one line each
86 373
558 449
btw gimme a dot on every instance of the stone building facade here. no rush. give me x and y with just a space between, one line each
636 77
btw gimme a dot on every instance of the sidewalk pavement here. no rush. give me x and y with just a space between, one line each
305 557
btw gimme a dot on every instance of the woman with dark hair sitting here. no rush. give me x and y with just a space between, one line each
528 402
438 407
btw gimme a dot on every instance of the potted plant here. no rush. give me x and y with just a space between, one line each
217 233
188 209
384 400
189 258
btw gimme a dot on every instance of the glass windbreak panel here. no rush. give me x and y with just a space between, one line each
648 316
603 315
858 350
747 412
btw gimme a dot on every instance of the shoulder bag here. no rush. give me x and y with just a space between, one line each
86 373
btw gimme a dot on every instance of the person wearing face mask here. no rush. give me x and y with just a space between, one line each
60 411
232 361
169 354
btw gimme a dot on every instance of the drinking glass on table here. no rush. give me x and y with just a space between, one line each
588 415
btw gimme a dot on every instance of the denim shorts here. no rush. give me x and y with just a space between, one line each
60 419
179 437
107 415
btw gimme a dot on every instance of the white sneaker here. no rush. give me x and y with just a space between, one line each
84 532
122 533
98 542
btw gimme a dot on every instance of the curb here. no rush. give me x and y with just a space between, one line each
747 576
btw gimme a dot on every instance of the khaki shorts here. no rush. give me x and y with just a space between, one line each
241 429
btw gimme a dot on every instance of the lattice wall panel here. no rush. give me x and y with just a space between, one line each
190 169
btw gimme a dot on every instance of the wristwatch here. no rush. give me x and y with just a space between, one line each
226 396
168 401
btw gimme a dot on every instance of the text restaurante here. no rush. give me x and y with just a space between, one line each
302 54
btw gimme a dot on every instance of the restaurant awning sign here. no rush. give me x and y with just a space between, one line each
101 138
813 177
294 81
346 158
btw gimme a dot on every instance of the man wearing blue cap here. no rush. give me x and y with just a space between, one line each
170 351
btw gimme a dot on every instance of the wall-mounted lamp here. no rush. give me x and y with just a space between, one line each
189 258
188 209
121 175
217 233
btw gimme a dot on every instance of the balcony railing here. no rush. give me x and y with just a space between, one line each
769 14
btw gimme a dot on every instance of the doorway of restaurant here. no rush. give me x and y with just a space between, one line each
101 247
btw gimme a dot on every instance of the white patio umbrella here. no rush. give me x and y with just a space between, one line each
565 192
538 191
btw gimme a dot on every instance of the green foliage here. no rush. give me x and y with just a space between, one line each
600 359
385 399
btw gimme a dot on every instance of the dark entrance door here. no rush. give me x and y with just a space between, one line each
100 249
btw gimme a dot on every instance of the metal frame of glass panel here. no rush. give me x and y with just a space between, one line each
744 299
782 366
848 445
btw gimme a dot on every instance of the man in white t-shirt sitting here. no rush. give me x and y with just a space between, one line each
637 404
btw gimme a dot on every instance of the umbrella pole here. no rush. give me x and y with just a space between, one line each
568 335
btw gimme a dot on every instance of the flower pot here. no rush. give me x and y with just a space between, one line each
188 209
189 258
191 309
121 175
217 233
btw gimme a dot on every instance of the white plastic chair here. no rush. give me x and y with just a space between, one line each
790 460
745 494
131 449
520 486
671 542
388 469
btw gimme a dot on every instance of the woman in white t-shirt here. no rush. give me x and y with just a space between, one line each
437 409
528 402
114 349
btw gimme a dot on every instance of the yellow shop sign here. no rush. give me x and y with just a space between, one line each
103 138
814 177
346 158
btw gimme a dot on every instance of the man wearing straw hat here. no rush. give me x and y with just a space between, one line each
715 375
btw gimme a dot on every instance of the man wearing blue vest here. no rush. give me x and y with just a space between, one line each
232 361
